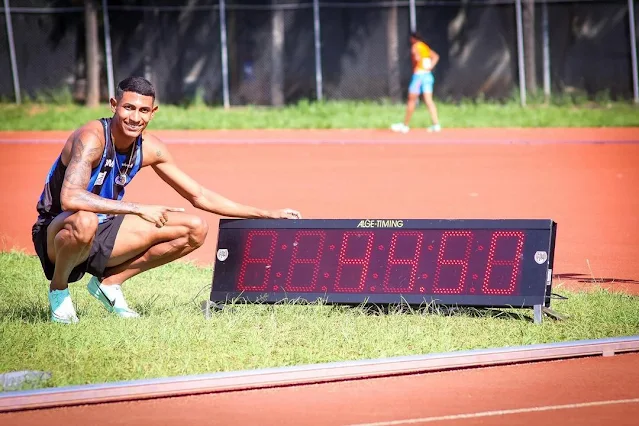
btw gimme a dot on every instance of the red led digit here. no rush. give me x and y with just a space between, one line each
441 262
515 263
313 260
248 260
413 262
343 261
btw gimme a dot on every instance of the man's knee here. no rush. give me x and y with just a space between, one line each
198 230
84 226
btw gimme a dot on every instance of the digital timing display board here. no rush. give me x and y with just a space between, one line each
490 263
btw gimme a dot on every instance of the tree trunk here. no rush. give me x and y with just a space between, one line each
92 53
394 90
530 64
277 57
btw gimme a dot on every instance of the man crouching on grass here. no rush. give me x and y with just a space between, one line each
83 225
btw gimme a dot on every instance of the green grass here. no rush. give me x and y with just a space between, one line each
173 338
336 115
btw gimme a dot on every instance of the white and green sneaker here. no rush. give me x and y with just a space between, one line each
111 297
400 128
435 128
62 309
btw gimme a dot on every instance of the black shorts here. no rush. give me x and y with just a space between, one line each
100 252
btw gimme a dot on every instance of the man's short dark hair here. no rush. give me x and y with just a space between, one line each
139 85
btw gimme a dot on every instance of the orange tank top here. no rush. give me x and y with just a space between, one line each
422 51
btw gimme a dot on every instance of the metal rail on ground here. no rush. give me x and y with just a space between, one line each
307 374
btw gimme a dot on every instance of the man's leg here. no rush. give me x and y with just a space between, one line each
69 239
140 245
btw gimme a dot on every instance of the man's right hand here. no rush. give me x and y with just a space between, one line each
156 214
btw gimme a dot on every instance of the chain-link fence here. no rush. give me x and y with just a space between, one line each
45 45
275 52
271 53
177 48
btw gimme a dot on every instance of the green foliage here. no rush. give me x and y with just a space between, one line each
567 110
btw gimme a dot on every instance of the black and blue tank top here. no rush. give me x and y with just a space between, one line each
108 179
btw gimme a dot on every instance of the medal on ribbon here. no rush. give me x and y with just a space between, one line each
121 179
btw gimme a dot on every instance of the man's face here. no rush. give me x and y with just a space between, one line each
133 112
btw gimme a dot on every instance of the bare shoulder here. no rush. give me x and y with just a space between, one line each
154 150
87 139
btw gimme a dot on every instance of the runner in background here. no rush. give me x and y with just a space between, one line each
424 60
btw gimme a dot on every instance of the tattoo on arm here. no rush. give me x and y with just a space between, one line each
79 168
78 174
158 153
98 204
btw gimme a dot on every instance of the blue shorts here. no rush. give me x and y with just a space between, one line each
421 83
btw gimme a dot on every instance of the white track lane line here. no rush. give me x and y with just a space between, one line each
500 412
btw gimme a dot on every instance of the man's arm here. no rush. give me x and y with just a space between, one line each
201 197
85 151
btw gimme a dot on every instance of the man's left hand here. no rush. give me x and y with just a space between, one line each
286 214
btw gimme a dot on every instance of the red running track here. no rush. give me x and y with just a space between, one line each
577 392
